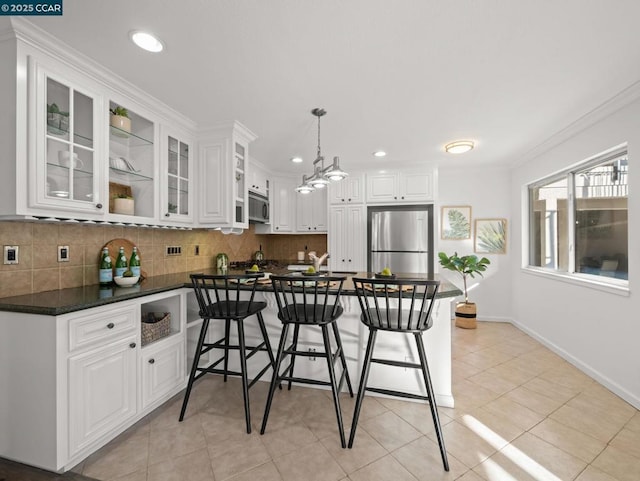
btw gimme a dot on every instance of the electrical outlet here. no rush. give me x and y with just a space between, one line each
11 254
174 250
311 351
63 253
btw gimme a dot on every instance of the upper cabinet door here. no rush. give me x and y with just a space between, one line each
66 138
347 191
132 164
382 187
177 191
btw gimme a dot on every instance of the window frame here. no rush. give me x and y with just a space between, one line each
609 284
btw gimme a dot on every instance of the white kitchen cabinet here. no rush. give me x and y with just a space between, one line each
222 177
65 136
311 212
347 238
176 200
102 392
162 368
70 162
282 203
102 372
258 179
349 190
399 187
90 380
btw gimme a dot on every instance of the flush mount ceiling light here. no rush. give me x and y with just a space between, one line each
321 175
296 160
146 41
379 153
459 147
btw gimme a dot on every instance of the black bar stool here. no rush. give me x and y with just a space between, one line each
403 306
226 305
309 301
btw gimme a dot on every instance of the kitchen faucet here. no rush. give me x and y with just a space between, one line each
318 260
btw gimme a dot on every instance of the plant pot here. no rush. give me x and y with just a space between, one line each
120 122
123 206
466 315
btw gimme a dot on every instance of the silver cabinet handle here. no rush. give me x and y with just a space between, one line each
98 206
132 345
152 360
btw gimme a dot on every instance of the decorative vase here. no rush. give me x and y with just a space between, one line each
121 122
466 315
123 206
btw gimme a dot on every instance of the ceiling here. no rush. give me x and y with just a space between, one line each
403 76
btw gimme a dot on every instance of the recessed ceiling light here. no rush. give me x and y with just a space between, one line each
379 153
459 146
146 41
296 160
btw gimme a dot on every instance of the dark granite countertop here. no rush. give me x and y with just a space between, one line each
63 301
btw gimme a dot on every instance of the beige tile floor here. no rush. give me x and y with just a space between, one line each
522 413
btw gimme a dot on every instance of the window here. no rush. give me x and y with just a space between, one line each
578 219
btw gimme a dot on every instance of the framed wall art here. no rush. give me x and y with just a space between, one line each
490 236
455 222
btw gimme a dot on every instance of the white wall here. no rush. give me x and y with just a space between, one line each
596 330
487 192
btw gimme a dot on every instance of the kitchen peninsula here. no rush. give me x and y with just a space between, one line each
76 375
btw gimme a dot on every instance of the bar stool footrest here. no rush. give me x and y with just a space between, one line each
391 392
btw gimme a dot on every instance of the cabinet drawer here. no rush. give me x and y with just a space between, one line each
101 326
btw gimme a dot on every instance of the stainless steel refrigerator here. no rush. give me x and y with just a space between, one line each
400 238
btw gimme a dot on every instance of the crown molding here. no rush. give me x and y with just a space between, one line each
602 111
38 39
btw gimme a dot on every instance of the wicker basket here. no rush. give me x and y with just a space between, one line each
155 325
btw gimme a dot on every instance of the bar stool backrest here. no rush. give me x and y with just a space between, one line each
308 299
219 295
396 304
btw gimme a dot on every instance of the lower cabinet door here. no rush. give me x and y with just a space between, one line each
162 370
102 392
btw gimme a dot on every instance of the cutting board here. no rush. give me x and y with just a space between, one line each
114 246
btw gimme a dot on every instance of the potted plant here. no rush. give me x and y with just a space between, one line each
120 118
57 121
123 204
465 266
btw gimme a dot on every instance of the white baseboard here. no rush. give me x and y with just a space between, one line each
587 369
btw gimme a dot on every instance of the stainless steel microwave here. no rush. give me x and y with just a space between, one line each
258 209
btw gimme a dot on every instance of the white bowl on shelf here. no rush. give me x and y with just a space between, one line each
126 281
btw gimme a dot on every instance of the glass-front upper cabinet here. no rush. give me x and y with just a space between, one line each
66 121
240 194
132 169
176 201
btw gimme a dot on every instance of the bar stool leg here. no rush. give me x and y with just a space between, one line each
265 336
227 328
334 384
294 347
276 375
194 366
432 399
363 383
243 372
343 360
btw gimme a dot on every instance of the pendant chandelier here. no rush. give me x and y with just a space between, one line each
321 175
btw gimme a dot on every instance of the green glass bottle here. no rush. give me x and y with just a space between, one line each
106 272
121 263
134 263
